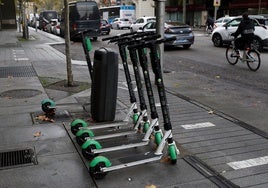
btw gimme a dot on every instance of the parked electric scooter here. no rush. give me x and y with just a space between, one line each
100 165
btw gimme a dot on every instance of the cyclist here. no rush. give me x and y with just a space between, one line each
246 29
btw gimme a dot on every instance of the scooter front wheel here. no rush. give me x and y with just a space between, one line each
48 106
172 154
77 124
157 138
96 165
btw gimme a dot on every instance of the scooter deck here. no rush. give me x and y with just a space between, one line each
133 160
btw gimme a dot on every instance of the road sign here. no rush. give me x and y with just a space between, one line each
217 3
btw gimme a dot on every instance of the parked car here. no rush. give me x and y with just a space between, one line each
222 20
45 18
121 23
56 29
105 27
183 33
222 34
83 15
49 27
140 22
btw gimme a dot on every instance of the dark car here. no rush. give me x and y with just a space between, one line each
83 16
45 18
183 33
105 27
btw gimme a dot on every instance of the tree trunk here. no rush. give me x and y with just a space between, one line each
70 81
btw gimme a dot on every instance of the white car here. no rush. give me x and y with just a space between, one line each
222 34
120 23
221 21
140 22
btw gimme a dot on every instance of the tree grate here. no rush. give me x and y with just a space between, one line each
17 158
17 71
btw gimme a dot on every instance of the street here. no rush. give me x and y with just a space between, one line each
203 74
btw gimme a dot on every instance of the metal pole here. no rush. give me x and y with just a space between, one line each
160 16
259 12
184 11
215 12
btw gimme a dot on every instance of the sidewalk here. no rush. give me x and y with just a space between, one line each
208 143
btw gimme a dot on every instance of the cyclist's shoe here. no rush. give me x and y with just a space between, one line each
235 53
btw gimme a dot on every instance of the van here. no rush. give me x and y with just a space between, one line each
45 18
83 15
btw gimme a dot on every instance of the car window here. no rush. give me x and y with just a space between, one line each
104 22
150 25
219 20
138 21
124 19
150 19
226 20
234 23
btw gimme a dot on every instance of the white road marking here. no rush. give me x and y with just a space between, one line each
198 125
249 163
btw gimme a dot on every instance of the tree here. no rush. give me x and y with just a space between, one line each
70 81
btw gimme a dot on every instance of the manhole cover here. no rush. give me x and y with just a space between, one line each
20 93
17 71
17 158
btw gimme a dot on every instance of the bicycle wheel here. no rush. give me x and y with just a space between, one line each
231 55
253 60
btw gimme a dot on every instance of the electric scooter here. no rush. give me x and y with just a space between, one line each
101 165
80 128
91 147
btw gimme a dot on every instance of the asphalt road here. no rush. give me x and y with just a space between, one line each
202 73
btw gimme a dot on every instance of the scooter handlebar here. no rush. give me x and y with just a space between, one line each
130 37
118 36
144 40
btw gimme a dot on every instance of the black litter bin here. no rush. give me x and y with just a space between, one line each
104 85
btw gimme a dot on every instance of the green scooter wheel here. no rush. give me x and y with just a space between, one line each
48 106
82 135
96 165
146 126
87 148
157 138
135 118
172 154
76 124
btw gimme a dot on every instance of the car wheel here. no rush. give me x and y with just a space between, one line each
217 40
257 43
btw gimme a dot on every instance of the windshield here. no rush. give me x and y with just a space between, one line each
85 11
50 15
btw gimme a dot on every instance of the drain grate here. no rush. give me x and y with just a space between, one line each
17 71
17 158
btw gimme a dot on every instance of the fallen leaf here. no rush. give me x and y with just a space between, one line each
44 118
37 134
165 159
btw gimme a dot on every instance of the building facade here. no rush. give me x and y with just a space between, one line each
7 14
198 10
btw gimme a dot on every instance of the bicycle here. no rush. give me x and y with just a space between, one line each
250 55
